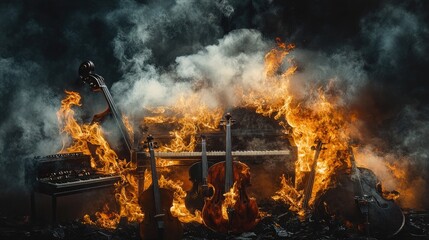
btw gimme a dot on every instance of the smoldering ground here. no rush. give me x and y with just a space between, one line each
150 51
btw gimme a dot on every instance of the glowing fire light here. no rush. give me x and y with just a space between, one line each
229 201
316 115
106 160
190 116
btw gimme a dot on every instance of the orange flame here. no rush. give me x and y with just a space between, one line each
229 201
179 209
106 160
317 115
289 195
191 116
103 159
106 218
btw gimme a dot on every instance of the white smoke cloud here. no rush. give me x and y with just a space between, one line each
340 73
237 59
397 41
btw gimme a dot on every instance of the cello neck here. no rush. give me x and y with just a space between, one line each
228 155
155 184
204 164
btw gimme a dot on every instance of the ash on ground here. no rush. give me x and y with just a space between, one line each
278 223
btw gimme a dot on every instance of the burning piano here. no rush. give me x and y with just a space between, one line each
90 163
72 171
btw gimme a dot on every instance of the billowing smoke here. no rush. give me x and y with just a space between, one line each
150 52
236 59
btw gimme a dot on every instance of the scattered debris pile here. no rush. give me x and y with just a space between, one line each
277 223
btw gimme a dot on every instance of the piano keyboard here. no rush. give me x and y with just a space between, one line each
217 154
95 179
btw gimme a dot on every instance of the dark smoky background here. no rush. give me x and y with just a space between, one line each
149 50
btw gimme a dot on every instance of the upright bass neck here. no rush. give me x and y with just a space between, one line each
118 118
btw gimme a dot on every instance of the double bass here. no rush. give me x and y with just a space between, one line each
357 199
198 175
243 215
158 223
97 84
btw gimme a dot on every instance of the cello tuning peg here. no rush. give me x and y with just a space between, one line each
149 138
313 148
155 145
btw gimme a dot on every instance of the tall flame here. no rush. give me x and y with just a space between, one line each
229 201
89 139
317 114
190 116
314 116
86 136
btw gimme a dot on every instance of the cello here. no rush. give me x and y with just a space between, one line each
158 223
243 215
357 199
198 175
